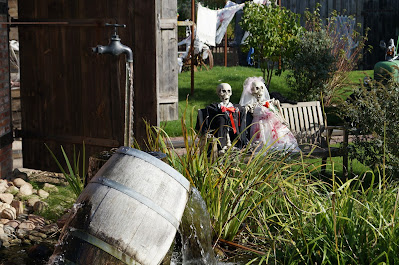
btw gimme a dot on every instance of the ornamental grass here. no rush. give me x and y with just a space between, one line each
271 208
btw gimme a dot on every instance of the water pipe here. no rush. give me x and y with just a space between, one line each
115 47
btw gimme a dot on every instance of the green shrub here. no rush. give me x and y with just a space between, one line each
312 65
374 111
326 40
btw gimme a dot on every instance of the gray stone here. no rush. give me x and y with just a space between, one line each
12 189
8 230
15 242
21 233
25 190
50 187
1 229
43 194
4 221
3 185
40 206
37 220
38 234
4 206
6 197
19 207
49 229
19 182
34 238
14 223
9 213
31 201
27 225
5 240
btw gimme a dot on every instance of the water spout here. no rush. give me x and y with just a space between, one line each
115 47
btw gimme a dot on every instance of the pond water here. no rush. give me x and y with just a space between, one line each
25 255
192 246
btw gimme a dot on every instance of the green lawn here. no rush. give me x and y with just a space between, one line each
205 84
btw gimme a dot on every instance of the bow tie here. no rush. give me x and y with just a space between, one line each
230 110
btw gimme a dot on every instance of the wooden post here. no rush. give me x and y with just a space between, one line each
225 48
279 59
192 45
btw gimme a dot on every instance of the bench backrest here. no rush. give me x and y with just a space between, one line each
306 121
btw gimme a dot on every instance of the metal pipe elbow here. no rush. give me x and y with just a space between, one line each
128 52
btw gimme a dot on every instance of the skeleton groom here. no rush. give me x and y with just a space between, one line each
225 118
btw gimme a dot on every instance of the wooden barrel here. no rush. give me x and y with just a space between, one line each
127 214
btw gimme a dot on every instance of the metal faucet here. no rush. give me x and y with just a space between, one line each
115 47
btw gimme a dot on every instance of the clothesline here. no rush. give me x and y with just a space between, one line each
212 24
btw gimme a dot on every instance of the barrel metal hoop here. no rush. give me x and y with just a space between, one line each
156 162
139 197
104 246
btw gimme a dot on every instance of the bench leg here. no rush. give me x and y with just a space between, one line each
323 165
345 155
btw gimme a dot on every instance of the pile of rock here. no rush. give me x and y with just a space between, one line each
19 223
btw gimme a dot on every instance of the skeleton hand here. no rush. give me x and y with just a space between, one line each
275 102
250 108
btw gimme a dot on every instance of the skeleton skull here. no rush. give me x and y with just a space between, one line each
257 89
224 92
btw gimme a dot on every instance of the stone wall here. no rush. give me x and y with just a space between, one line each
6 136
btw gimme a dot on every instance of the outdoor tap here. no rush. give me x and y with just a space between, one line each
115 47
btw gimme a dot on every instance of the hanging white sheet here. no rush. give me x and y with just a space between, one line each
224 17
262 2
206 25
344 29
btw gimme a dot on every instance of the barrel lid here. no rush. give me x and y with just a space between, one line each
157 163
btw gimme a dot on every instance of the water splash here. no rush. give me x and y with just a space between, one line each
196 234
58 257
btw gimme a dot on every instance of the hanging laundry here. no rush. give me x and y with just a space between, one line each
224 17
206 25
344 28
262 2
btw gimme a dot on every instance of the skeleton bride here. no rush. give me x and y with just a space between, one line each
268 127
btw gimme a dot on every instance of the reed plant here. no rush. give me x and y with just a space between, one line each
270 205
74 174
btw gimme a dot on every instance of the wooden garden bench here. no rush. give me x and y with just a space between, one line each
306 121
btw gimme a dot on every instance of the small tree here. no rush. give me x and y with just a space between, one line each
273 33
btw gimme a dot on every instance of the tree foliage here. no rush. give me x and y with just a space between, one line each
273 33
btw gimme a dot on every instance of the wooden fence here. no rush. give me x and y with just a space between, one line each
379 16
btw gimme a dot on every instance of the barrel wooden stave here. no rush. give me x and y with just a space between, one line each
123 222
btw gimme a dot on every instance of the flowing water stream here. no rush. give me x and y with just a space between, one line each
195 232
